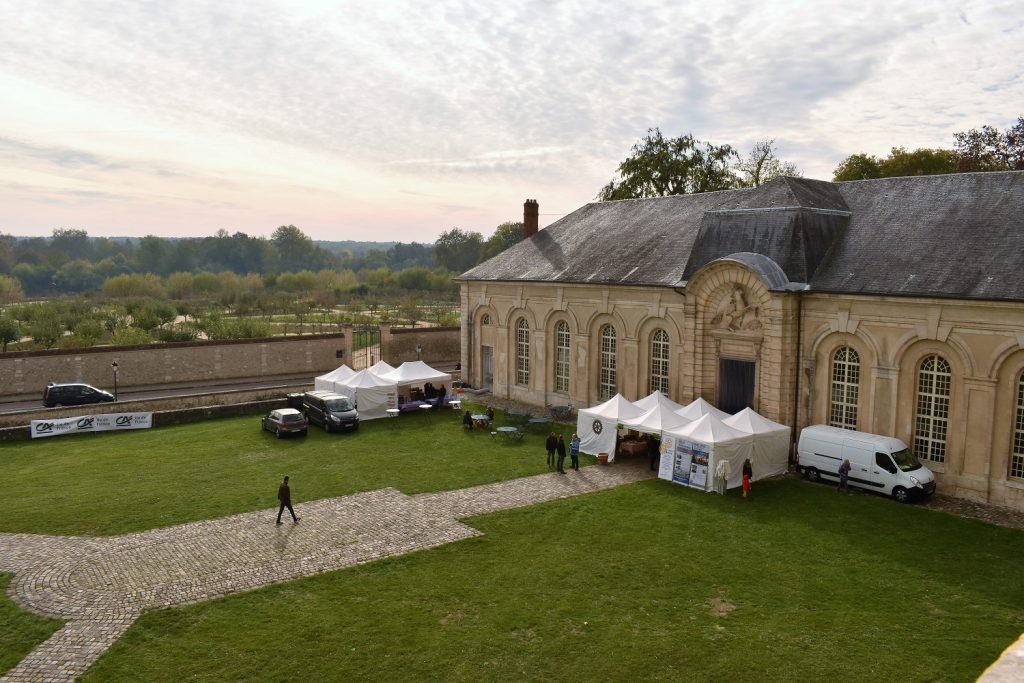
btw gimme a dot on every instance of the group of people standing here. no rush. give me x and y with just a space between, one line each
555 444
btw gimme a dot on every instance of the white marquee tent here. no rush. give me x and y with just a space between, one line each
380 367
658 419
700 408
598 426
689 455
327 382
415 372
372 394
657 398
771 442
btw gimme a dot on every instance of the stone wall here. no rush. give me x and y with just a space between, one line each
438 345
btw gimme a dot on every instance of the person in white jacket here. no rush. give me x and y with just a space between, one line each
723 470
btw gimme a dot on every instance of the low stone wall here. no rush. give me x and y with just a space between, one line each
438 345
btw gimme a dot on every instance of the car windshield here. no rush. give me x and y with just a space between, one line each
906 460
292 417
339 405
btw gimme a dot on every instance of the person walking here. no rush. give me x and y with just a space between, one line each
551 444
574 451
560 447
284 494
748 474
844 477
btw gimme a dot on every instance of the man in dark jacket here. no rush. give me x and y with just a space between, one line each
284 494
561 454
551 444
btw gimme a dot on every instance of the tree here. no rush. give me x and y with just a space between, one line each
458 250
9 331
661 166
10 290
505 236
987 149
900 162
762 165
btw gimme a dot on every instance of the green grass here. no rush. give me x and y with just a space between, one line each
649 581
646 582
20 631
113 483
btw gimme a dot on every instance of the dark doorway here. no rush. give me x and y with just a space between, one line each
735 385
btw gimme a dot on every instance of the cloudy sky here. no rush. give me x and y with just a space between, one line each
380 120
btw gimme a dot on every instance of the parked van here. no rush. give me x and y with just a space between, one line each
877 463
333 412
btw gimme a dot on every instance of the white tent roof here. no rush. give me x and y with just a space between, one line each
338 374
747 420
365 379
657 420
615 408
380 368
699 408
415 372
657 399
710 429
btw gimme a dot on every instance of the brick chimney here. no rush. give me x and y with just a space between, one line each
530 212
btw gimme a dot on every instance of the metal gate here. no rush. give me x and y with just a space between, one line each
365 346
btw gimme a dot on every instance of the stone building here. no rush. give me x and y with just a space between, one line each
893 306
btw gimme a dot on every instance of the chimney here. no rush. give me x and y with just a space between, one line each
530 213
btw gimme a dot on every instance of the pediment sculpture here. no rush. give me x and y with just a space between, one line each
735 313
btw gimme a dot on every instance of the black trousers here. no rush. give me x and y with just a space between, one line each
561 463
283 506
551 458
575 458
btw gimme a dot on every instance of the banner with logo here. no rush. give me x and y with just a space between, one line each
104 422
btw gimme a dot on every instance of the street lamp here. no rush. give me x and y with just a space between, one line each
114 365
419 350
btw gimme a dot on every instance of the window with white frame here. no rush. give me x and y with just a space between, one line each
1017 455
522 353
845 388
659 361
562 357
607 382
934 379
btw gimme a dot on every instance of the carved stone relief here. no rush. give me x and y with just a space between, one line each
735 312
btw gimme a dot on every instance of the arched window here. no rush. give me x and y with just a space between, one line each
1017 455
522 353
607 383
659 361
486 319
562 357
931 424
845 388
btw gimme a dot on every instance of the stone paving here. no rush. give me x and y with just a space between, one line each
100 586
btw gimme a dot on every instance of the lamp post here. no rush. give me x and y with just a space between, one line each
115 366
419 350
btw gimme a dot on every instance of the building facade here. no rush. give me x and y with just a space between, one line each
893 306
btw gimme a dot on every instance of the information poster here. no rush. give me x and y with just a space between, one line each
690 464
699 466
668 449
682 462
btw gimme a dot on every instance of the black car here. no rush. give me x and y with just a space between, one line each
333 412
74 395
285 421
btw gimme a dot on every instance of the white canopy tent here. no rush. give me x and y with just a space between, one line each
657 398
700 408
327 382
380 368
415 372
771 442
598 426
689 455
373 395
658 419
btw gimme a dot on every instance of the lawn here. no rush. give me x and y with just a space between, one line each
649 581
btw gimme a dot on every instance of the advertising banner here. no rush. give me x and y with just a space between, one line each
668 450
690 465
104 422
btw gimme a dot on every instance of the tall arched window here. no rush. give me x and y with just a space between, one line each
1017 455
845 388
486 319
931 424
607 382
522 353
659 361
562 357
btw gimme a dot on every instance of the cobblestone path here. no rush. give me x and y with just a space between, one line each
99 586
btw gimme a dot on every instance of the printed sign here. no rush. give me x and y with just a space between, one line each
104 422
690 464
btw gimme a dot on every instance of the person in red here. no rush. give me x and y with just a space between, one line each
284 494
748 473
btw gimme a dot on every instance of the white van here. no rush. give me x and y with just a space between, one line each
877 463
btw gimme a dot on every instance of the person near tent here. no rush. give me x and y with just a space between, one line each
844 477
551 445
748 474
560 447
490 412
574 451
653 452
467 420
428 391
723 470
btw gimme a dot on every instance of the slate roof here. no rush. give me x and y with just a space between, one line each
954 236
